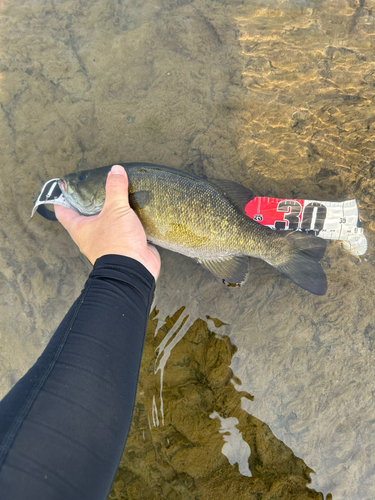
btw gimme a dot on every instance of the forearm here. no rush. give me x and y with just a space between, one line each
64 425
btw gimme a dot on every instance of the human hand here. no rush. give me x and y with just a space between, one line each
116 230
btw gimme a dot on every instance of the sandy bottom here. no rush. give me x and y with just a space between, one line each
243 392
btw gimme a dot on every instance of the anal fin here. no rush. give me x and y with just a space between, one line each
233 270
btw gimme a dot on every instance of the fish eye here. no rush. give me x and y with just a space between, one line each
81 177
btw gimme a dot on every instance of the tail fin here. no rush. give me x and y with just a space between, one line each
303 267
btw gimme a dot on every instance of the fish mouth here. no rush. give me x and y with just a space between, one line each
66 187
61 183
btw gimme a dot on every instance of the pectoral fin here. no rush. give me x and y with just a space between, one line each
233 270
140 199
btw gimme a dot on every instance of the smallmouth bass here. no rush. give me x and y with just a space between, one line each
205 220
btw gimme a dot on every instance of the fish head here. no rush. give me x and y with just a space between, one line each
85 190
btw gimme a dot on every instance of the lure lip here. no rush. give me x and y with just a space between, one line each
50 194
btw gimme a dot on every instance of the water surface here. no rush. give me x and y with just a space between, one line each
243 392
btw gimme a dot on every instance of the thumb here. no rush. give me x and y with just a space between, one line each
66 216
116 188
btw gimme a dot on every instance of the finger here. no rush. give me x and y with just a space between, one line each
154 250
116 188
66 216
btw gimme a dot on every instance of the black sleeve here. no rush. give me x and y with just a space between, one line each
64 425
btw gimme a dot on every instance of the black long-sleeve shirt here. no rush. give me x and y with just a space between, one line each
64 425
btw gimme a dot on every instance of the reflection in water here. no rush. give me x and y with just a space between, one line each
184 457
164 350
235 449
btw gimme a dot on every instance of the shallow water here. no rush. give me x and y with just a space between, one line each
243 392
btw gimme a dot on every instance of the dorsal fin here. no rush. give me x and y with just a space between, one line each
236 193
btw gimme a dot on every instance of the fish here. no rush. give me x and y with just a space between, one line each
203 219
